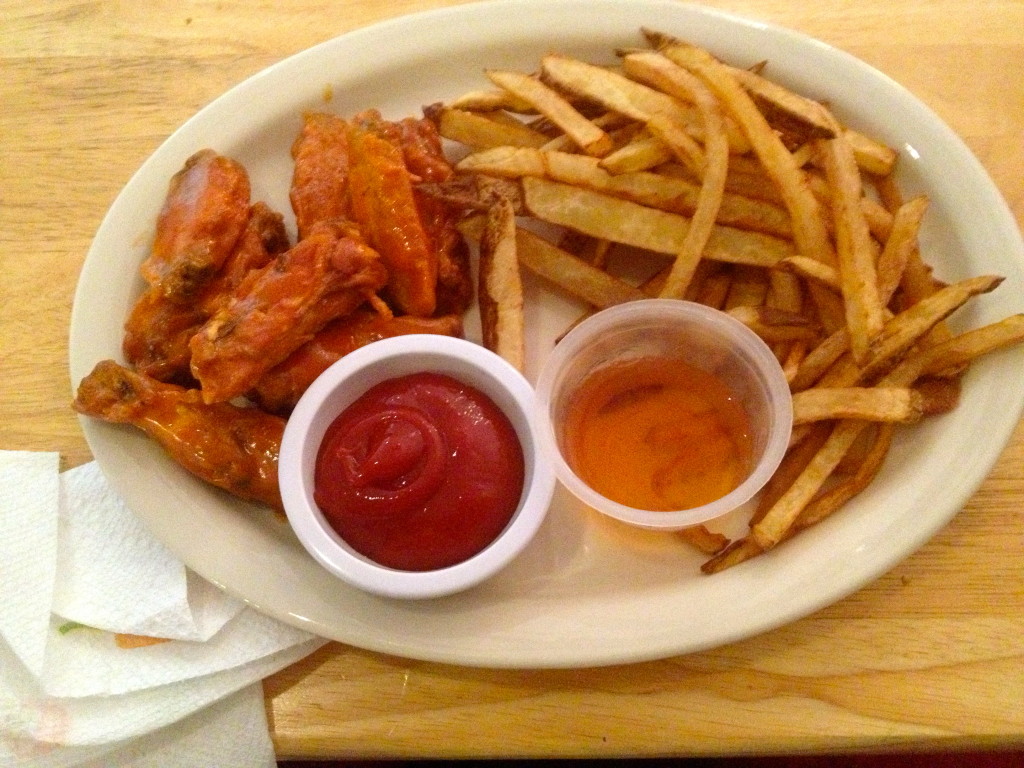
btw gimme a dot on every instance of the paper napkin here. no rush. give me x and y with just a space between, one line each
84 587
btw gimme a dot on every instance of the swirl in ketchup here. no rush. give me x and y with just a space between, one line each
421 472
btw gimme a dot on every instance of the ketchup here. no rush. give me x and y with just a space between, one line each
421 472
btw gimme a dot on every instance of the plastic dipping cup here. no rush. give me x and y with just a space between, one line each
700 336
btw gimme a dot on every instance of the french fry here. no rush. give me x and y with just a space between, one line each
750 289
872 156
798 118
703 539
958 350
900 246
501 290
676 81
834 498
808 225
572 274
644 152
655 190
797 457
627 97
854 247
737 552
812 269
822 506
891 404
479 131
584 133
775 325
900 333
714 290
624 221
820 359
491 101
775 524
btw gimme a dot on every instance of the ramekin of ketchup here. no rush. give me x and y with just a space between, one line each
411 468
663 414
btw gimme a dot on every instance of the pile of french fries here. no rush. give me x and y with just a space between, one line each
737 193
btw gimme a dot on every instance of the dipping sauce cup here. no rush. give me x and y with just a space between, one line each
352 377
707 345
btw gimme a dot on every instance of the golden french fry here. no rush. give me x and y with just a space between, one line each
906 328
501 290
775 524
812 269
737 552
627 97
873 156
820 359
890 196
749 288
610 89
798 118
583 132
900 245
686 150
958 350
893 404
775 325
624 221
481 130
784 291
818 509
835 497
655 190
809 229
491 101
703 539
572 274
644 152
714 290
854 247
797 457
676 81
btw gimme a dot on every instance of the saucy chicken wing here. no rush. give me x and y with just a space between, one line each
282 386
232 447
158 329
203 215
425 159
279 308
319 188
384 207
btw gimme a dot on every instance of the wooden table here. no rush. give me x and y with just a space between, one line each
931 655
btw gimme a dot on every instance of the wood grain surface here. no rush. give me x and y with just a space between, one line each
930 655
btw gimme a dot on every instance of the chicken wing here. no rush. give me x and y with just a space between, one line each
158 329
319 188
425 159
384 207
232 447
279 308
203 215
282 386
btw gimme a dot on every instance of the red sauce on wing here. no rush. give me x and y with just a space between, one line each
421 472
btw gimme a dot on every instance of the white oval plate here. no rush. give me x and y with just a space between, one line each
586 592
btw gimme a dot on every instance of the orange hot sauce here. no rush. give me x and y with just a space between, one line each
657 433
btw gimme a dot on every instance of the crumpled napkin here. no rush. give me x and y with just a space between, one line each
113 652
